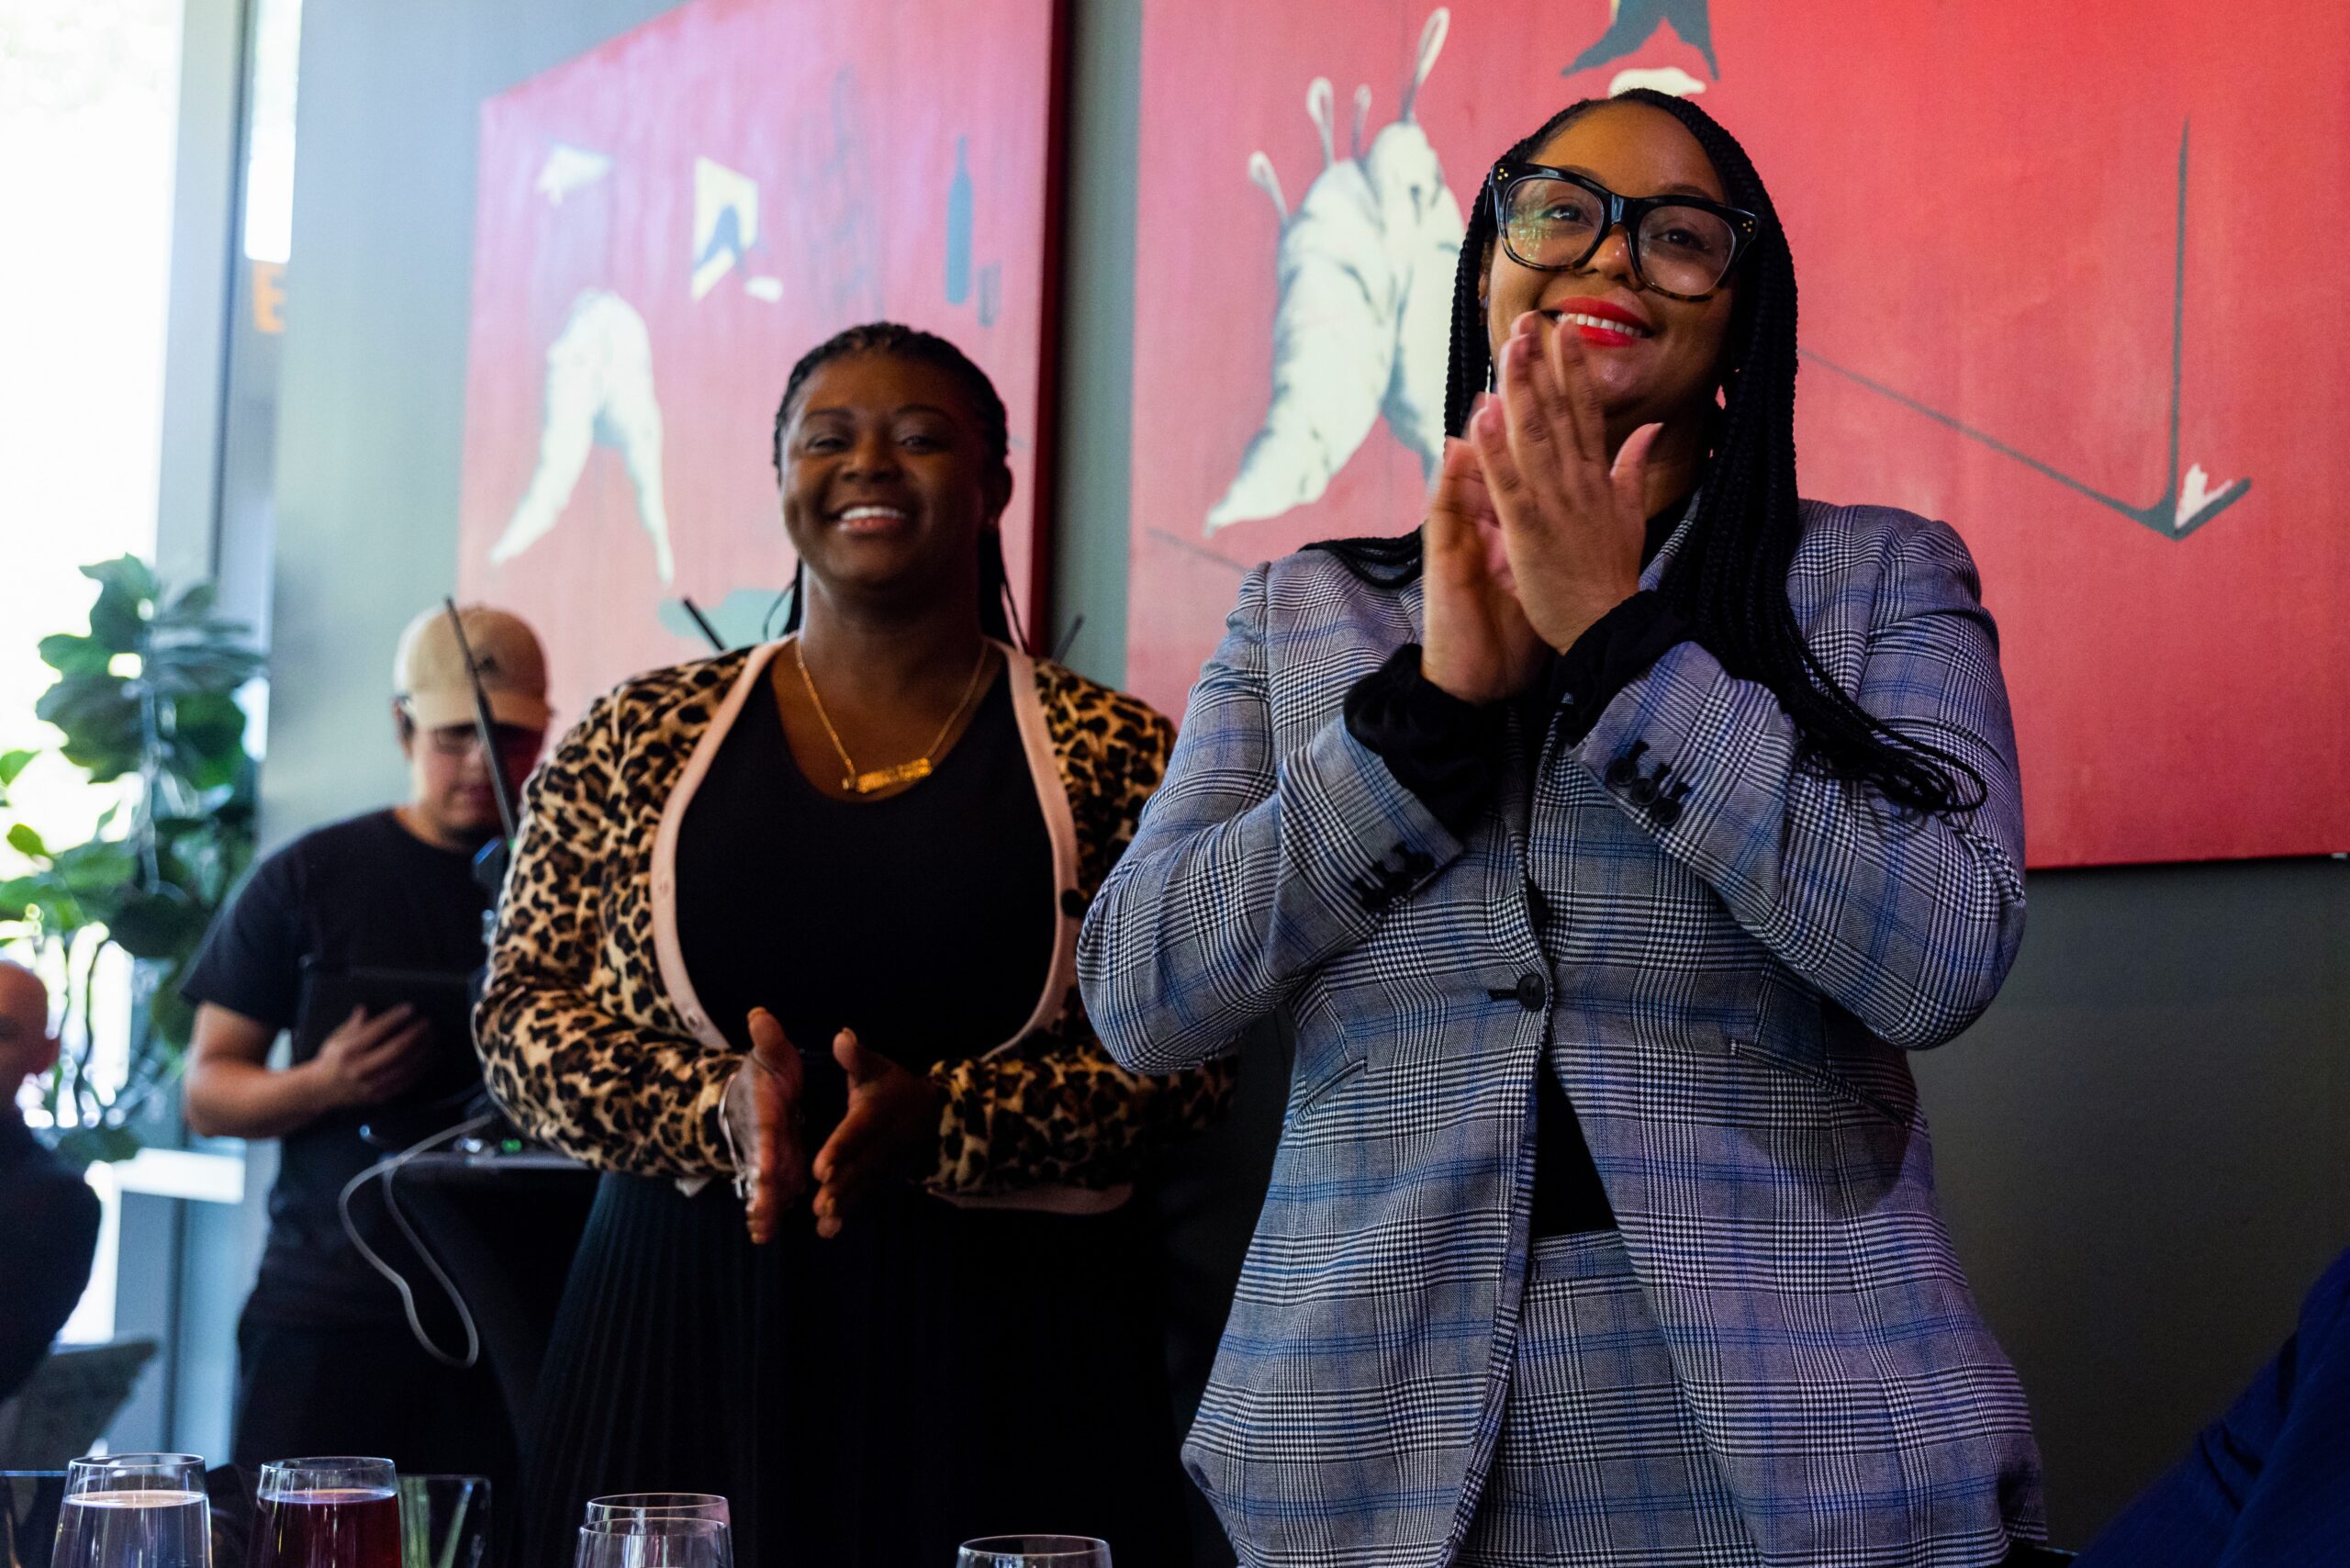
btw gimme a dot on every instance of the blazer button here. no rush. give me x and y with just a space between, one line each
1533 990
1666 811
1641 791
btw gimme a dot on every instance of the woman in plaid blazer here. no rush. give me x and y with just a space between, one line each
1606 843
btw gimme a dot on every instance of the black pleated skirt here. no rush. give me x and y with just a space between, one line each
932 1374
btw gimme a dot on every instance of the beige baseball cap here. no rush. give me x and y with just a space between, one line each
428 671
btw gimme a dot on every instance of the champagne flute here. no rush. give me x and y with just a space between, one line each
656 1542
134 1510
342 1512
1034 1551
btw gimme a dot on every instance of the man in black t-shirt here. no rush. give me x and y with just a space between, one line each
48 1216
328 1363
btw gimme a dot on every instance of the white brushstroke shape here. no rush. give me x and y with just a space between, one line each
1661 79
718 192
1364 320
598 392
1424 227
2196 493
568 169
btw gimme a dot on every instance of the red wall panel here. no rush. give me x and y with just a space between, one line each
2010 224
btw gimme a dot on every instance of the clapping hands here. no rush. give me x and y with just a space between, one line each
891 1110
1535 532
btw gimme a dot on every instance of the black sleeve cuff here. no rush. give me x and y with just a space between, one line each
1445 751
1614 652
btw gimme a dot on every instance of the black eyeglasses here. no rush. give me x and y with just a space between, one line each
1555 220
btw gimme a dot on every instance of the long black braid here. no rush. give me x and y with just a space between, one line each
1729 580
999 617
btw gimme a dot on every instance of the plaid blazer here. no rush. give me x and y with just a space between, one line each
1723 954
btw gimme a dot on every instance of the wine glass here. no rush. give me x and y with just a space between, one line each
341 1512
1034 1551
630 1510
134 1510
658 1541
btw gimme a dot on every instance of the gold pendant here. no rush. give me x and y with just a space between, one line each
886 778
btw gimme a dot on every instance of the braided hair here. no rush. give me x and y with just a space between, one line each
999 617
1730 582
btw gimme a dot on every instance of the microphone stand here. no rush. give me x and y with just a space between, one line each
489 861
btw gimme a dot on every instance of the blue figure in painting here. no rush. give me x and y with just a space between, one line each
1632 23
959 225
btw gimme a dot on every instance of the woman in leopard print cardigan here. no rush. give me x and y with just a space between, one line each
921 1360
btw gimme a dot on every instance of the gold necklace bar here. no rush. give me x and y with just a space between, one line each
886 778
874 780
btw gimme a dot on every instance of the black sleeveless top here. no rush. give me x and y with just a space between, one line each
925 921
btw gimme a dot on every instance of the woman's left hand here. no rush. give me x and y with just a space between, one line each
1573 522
891 1112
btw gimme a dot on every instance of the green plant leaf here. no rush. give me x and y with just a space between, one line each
12 765
208 738
93 870
126 589
25 840
81 1147
127 573
164 924
68 653
169 1014
192 602
100 715
17 895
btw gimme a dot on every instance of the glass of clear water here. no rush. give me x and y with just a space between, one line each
135 1510
1034 1551
658 1543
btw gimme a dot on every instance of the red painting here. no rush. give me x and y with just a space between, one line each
2070 282
664 225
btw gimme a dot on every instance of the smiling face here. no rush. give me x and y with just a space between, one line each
888 481
1652 358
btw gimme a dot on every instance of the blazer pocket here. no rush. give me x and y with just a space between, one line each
1824 1078
1336 1079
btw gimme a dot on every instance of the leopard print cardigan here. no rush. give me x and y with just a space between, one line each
591 1039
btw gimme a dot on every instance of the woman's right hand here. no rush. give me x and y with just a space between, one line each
762 1113
1475 642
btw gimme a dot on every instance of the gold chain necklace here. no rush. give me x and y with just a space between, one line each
879 779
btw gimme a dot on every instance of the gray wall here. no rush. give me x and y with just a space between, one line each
2142 1145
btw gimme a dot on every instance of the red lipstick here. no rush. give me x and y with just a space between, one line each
1598 310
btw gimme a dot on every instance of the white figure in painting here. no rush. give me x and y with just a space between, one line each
1424 229
598 392
1365 271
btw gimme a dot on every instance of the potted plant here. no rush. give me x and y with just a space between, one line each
147 697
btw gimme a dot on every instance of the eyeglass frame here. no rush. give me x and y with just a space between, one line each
515 736
1623 212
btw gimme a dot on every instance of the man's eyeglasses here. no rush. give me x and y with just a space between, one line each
1554 221
464 740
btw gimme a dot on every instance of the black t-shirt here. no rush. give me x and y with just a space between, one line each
365 893
924 921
